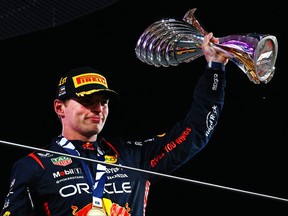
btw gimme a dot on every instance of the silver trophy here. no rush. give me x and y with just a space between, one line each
170 42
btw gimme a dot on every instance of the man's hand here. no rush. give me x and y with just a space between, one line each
212 52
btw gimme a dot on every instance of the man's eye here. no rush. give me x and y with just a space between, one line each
91 102
103 101
87 101
84 102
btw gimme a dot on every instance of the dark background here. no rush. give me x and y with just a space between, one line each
248 151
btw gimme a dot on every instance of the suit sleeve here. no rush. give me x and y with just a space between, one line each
18 201
188 136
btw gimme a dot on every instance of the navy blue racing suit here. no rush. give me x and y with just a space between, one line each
57 185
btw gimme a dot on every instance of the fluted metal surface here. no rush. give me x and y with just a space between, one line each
169 42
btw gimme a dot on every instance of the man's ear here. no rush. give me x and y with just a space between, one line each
58 107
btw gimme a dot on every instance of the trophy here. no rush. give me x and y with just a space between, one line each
169 42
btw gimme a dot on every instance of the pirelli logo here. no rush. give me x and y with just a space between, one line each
89 78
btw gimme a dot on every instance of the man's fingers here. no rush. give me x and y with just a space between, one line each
222 52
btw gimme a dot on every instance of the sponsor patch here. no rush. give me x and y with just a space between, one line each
61 161
89 78
111 159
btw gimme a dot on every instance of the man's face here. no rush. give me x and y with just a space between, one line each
85 116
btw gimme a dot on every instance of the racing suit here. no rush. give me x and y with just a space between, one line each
56 184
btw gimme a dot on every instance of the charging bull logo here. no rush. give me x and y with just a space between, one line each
112 209
88 146
81 212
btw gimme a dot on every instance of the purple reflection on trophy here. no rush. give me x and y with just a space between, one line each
171 42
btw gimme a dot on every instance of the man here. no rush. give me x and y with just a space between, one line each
61 182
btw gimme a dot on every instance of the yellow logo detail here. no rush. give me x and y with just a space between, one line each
7 213
89 78
111 158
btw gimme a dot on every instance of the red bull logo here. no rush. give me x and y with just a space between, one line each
81 212
115 209
88 146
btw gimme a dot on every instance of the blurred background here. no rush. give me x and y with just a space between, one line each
248 150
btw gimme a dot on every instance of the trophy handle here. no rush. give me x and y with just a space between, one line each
171 42
190 18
